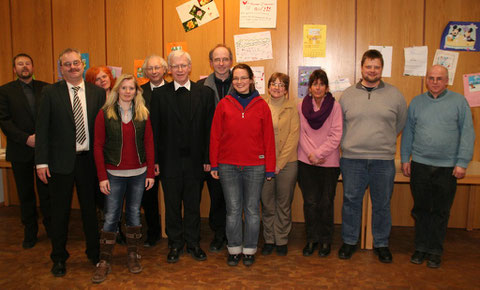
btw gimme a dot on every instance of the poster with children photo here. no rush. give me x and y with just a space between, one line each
197 12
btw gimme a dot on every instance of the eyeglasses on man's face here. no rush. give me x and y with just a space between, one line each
153 68
178 66
74 63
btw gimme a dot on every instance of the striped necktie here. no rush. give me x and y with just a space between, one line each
78 116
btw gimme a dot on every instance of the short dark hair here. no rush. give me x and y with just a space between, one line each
249 71
285 79
210 54
20 55
318 74
372 54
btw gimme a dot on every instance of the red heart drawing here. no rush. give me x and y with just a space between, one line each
244 2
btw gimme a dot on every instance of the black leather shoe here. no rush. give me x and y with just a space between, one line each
324 250
346 251
309 249
434 261
174 254
282 250
217 245
197 253
248 260
233 260
384 254
59 269
418 257
267 249
28 244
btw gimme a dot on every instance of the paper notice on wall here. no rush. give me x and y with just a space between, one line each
314 40
449 60
253 46
259 75
471 89
415 61
339 85
258 13
195 13
386 52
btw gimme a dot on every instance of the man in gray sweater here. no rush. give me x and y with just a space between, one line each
374 113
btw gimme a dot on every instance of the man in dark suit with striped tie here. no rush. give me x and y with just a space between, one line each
64 154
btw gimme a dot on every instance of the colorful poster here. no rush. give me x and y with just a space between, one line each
460 36
259 75
258 13
179 45
195 13
471 89
86 62
449 60
386 52
253 46
304 73
314 40
116 71
138 72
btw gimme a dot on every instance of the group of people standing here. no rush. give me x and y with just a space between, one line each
251 151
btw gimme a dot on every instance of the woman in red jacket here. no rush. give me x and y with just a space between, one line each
124 157
242 155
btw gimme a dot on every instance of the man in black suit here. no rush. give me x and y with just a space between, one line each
220 81
19 101
182 113
64 154
155 68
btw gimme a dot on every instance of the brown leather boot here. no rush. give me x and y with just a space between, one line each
107 243
134 237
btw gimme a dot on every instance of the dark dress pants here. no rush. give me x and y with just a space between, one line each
24 173
217 216
186 189
318 186
61 192
150 208
433 190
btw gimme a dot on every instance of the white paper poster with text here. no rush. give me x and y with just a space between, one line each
258 13
253 46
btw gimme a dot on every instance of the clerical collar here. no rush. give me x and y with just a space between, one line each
152 86
186 85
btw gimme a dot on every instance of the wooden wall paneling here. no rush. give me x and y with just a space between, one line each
6 73
438 14
199 40
401 205
279 36
134 30
80 25
32 34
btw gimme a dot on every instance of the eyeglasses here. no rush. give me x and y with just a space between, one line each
235 79
179 66
277 85
220 60
153 68
74 63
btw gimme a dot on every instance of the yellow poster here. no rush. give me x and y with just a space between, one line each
314 40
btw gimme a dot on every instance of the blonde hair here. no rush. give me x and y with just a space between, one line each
110 106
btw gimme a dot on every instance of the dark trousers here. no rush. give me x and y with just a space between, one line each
25 180
186 189
217 216
61 192
433 190
318 185
152 215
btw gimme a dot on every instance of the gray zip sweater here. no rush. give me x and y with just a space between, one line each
372 121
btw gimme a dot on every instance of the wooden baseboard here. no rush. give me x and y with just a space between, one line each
2 204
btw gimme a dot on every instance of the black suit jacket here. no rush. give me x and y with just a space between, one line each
55 139
166 123
147 93
17 119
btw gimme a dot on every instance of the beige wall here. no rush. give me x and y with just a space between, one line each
117 32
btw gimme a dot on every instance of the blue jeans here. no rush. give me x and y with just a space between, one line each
242 188
357 174
131 188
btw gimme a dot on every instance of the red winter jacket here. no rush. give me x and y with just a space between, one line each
241 136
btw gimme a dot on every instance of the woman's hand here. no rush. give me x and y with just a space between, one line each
105 186
157 170
269 179
214 174
149 183
316 161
